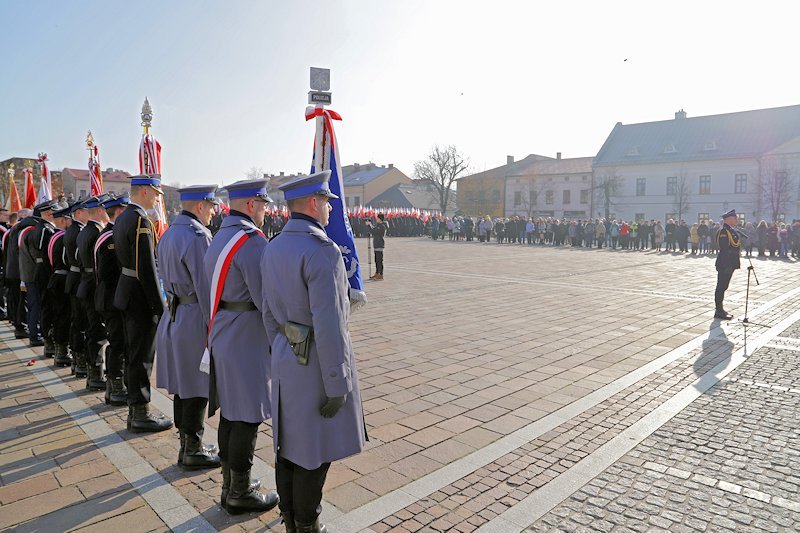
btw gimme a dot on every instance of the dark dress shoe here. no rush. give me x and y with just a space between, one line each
20 334
35 343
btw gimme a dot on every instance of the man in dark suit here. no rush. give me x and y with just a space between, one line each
139 297
729 246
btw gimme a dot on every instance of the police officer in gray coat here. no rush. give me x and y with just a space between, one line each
182 331
316 404
237 343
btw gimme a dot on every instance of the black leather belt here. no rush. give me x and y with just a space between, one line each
183 300
241 307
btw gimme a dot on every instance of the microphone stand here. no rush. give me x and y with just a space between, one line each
750 269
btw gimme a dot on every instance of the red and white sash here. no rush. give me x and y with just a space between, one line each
21 236
100 240
5 238
219 276
51 247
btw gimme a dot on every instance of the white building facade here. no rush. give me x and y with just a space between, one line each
698 168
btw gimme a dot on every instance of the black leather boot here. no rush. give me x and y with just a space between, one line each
195 456
255 484
116 393
80 364
288 522
20 333
182 438
242 498
314 527
62 357
144 422
95 381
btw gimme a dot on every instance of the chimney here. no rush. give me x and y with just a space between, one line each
391 165
356 166
509 159
281 172
558 155
680 114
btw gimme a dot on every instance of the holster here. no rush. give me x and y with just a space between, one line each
172 306
300 337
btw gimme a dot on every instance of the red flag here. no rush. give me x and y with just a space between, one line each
14 204
30 192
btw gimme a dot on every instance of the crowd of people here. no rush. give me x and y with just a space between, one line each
777 239
254 329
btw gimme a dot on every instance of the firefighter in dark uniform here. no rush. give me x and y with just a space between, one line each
95 328
729 244
107 271
37 243
77 337
4 227
18 310
57 258
140 298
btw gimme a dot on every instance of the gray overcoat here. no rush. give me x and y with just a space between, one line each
238 342
180 343
305 282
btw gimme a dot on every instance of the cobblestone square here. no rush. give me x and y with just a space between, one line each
504 387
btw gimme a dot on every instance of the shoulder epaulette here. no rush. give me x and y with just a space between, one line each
322 237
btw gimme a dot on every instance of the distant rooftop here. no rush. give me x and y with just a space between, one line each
730 135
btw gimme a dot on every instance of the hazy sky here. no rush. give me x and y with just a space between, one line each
228 80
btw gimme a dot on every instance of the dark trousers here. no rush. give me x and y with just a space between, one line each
189 414
140 349
48 311
379 262
300 490
34 299
237 443
723 281
62 314
12 301
95 332
115 351
77 334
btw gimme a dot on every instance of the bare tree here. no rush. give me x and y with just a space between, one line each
680 194
606 188
531 193
255 173
775 186
441 168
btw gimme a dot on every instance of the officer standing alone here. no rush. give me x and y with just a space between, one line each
729 244
378 232
317 414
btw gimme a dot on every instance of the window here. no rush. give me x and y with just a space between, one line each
481 196
533 197
495 196
470 196
517 198
633 152
670 149
703 217
566 196
781 217
710 145
83 193
705 184
740 183
584 196
641 186
672 185
638 217
742 220
549 197
356 200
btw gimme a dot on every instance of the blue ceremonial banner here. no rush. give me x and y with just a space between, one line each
326 157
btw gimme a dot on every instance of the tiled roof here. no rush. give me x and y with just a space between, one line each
730 135
362 174
411 196
114 176
572 165
514 169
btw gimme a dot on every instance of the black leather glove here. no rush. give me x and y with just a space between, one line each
332 407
